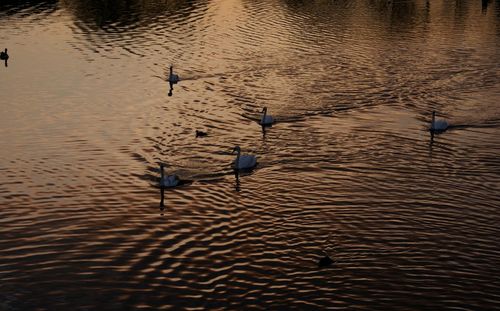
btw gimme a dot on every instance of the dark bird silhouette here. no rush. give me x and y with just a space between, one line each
201 133
325 261
4 55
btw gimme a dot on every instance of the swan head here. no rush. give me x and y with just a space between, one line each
264 110
237 149
434 113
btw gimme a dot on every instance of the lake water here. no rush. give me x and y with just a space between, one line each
349 168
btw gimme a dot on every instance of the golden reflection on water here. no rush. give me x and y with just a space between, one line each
86 120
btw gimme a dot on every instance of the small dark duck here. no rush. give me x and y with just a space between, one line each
200 133
325 261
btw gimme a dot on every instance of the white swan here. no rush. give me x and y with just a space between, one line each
168 181
172 77
245 161
266 119
438 125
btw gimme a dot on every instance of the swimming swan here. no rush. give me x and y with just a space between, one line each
172 78
245 161
266 119
168 181
4 55
438 125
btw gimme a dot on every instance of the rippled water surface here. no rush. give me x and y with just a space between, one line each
348 169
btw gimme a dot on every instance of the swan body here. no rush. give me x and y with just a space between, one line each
172 77
266 119
168 181
245 161
4 55
438 125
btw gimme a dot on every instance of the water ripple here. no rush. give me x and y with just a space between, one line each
349 169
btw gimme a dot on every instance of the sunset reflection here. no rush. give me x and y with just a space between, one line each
96 94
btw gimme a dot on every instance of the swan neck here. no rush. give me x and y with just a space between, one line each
237 162
161 172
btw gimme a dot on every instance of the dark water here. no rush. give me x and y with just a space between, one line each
349 167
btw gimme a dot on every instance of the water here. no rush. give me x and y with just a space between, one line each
349 167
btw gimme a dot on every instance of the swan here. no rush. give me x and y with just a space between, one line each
246 161
438 125
266 119
4 55
168 181
172 77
